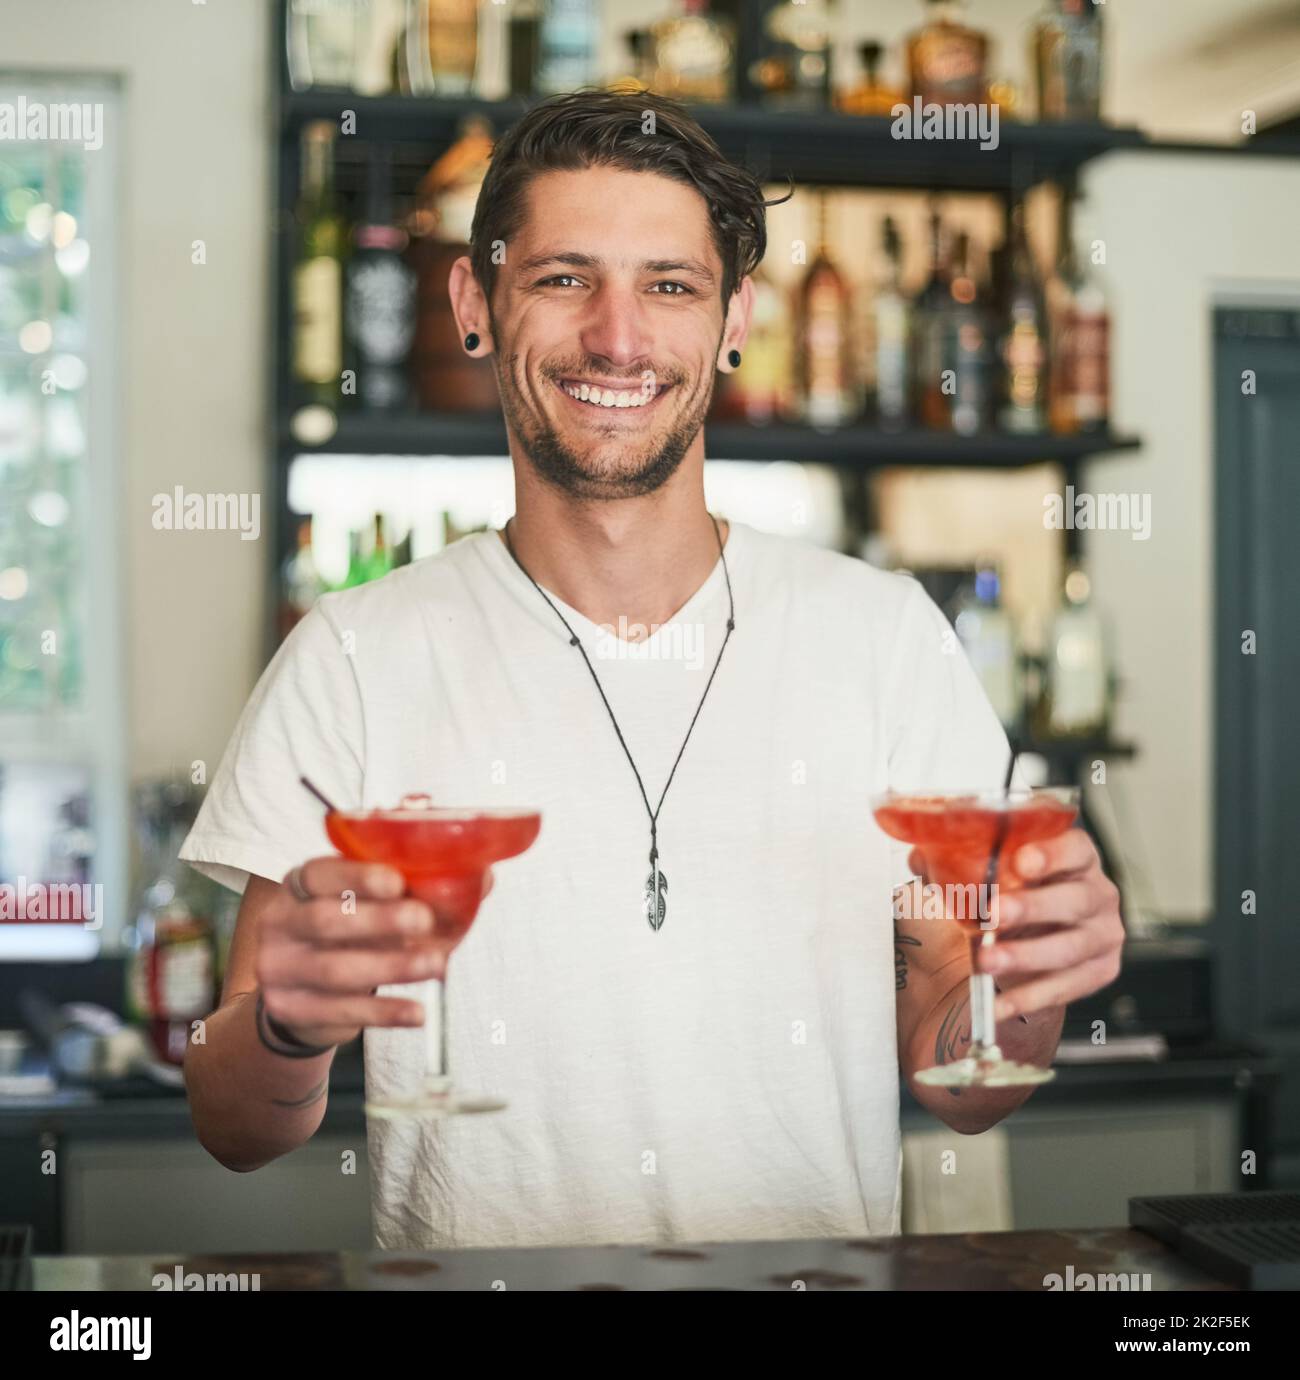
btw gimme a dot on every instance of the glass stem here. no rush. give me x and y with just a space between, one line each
442 1074
983 1027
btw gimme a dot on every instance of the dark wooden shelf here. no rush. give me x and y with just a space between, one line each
851 447
1075 749
823 147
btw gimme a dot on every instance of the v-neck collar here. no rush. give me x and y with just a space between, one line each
589 632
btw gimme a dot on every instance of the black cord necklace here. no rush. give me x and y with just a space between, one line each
654 904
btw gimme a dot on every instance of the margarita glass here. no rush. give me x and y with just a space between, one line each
444 855
969 840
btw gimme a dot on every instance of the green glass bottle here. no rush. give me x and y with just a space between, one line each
318 273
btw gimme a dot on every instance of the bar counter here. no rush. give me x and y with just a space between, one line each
990 1261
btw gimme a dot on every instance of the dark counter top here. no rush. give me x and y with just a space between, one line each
141 1107
993 1261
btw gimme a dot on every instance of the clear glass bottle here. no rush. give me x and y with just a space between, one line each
323 41
947 60
1076 700
889 378
1068 60
988 635
569 42
694 54
442 47
300 581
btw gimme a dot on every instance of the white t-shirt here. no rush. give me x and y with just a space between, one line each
732 1076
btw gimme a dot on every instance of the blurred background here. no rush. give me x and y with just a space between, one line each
229 381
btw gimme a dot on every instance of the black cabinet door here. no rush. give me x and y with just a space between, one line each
30 1187
1257 696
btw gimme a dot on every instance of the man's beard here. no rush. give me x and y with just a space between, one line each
558 463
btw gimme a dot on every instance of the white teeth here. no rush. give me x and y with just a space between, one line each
607 397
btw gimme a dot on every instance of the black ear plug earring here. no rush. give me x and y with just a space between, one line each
733 358
471 341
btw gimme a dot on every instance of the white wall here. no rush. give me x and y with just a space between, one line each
1178 230
197 147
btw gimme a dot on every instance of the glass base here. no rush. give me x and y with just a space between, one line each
988 1072
433 1099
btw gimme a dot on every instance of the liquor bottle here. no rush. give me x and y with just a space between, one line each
323 41
446 378
379 559
967 348
381 54
379 317
794 71
694 52
442 47
1076 698
525 32
1067 58
318 273
946 59
929 331
569 42
1079 320
1023 347
402 551
760 391
300 581
870 96
825 354
640 71
986 632
172 963
889 379
356 571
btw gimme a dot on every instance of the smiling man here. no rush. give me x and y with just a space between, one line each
691 991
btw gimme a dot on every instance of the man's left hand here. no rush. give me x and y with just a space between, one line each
1059 935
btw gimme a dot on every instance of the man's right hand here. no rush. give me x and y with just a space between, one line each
336 931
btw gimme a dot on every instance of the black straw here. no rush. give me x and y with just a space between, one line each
1004 821
1011 767
331 808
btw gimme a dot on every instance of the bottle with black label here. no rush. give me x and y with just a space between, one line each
380 301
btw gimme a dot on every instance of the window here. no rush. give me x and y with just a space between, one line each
63 814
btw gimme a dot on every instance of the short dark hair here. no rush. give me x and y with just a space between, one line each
590 128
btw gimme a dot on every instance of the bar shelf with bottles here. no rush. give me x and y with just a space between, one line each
837 370
983 358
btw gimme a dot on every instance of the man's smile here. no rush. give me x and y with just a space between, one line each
610 396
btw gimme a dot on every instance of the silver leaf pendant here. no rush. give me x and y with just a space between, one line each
655 904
